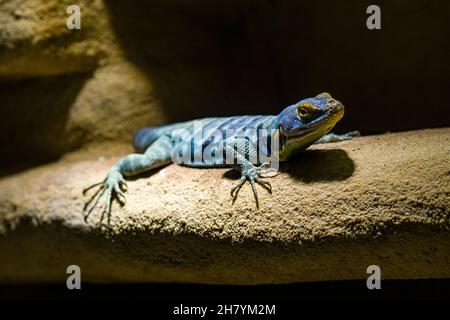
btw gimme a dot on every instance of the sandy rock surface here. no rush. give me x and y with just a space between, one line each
335 210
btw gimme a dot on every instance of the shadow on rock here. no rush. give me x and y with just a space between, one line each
313 165
35 113
320 165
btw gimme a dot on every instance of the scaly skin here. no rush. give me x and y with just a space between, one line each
294 129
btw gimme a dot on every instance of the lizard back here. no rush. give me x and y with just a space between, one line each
207 130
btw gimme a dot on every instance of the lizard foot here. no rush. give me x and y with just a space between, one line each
332 137
253 174
114 186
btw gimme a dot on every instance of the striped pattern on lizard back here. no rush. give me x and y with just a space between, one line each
203 136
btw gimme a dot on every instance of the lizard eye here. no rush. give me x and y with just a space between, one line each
303 112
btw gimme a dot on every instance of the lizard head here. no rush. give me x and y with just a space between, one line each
304 122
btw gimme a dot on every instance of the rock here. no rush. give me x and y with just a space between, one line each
61 89
35 42
336 209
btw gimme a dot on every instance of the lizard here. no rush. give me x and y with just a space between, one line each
298 126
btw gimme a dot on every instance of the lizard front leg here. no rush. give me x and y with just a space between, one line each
157 155
240 150
332 137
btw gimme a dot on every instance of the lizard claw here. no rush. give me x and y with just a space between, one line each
123 185
253 175
113 185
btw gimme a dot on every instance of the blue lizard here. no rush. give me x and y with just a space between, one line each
242 142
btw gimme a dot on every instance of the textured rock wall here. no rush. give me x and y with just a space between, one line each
61 89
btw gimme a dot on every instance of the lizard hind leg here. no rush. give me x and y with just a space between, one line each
114 186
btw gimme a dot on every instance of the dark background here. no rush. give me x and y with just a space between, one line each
294 301
423 289
235 57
